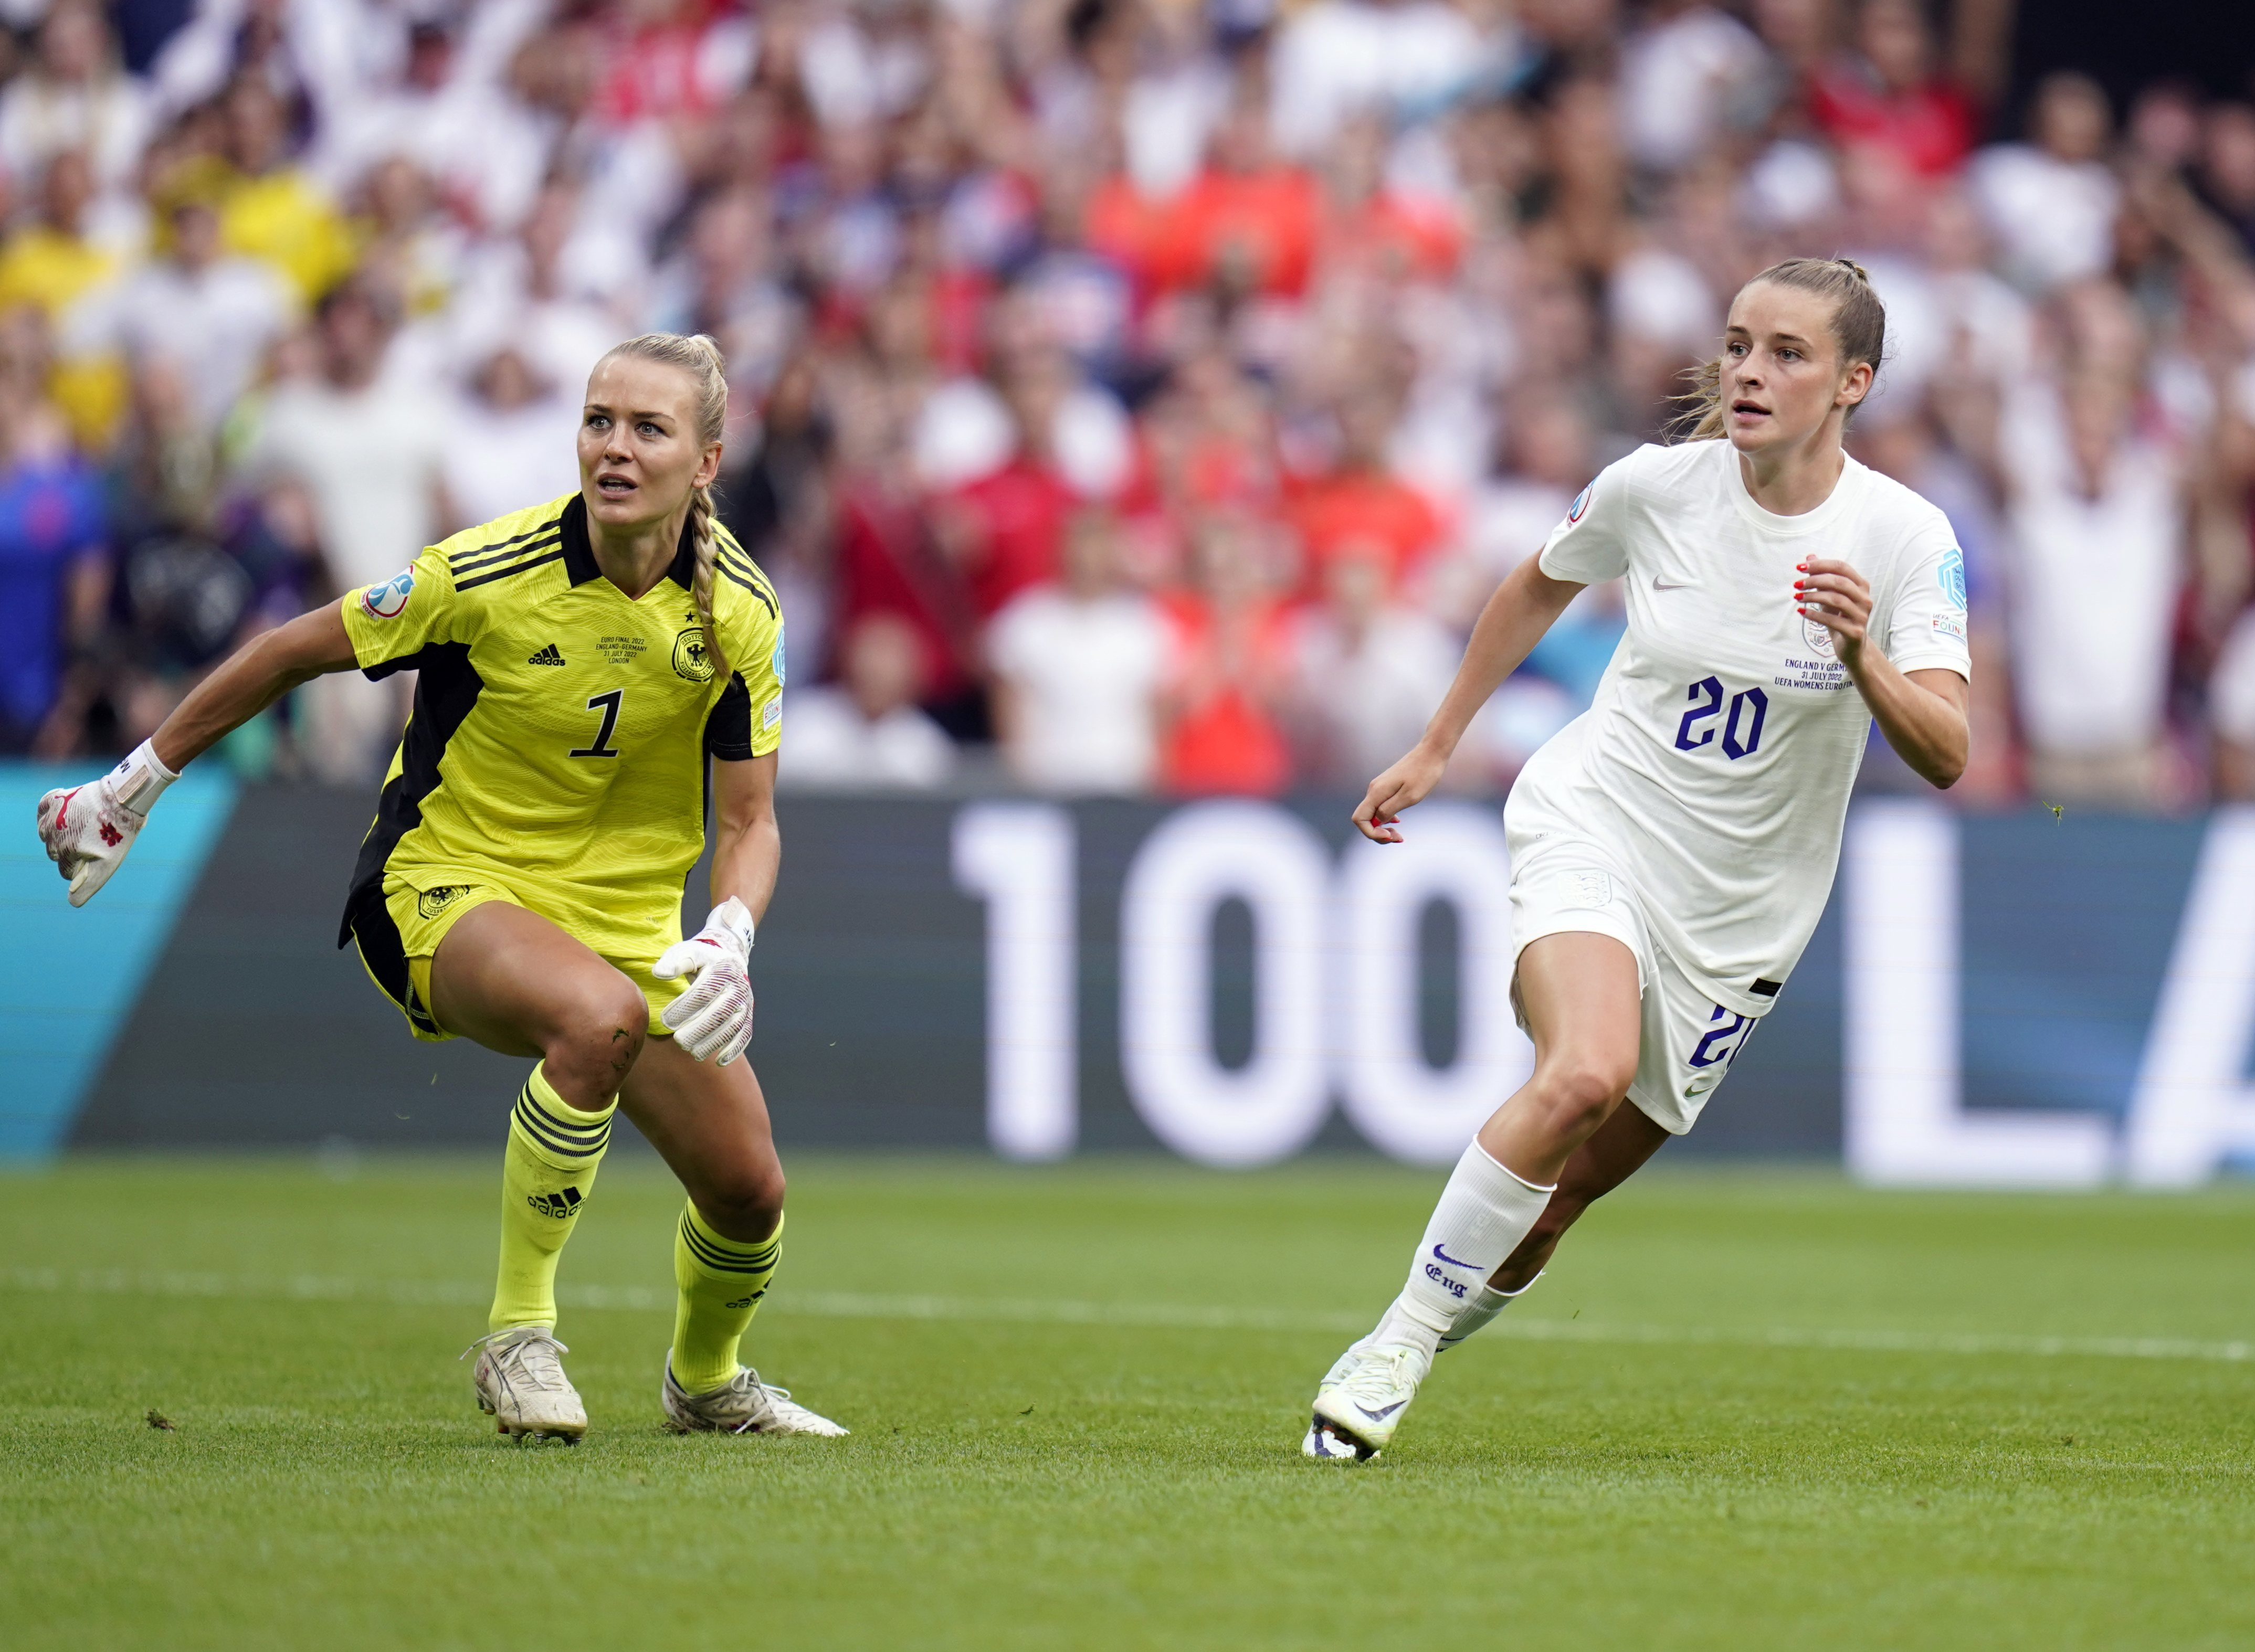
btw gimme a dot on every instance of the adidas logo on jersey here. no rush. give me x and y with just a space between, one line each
557 1205
550 655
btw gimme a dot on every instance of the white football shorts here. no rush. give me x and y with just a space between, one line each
1574 885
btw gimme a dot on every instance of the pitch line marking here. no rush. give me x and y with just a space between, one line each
846 1304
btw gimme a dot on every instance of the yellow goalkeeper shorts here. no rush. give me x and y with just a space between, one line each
397 943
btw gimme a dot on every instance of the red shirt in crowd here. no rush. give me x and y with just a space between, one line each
1931 128
1005 530
889 562
1222 738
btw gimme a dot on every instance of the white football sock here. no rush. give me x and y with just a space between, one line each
1483 1214
1491 1303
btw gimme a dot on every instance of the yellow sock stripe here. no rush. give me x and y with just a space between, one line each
724 1255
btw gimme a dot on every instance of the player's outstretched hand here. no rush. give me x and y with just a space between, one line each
715 1014
87 829
1406 783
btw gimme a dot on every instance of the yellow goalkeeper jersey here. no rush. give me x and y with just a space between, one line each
561 730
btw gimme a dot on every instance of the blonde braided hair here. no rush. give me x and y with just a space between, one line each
700 356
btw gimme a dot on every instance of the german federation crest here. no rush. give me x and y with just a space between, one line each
691 657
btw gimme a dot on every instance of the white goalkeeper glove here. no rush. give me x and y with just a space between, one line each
715 1014
88 829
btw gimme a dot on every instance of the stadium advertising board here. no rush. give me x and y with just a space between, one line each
1990 1001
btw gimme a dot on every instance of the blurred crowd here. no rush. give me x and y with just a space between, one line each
1126 395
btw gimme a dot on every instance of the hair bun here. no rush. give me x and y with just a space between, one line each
1861 274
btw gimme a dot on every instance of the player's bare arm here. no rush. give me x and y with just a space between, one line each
1525 605
747 842
1924 715
714 1018
252 678
87 830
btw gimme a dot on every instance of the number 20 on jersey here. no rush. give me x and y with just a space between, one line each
1741 730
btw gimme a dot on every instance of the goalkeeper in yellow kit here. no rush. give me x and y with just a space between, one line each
578 662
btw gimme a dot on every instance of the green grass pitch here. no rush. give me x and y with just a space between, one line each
1745 1411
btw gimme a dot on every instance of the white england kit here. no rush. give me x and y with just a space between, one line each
1695 811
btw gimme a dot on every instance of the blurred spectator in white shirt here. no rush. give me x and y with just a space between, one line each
75 97
1368 672
367 450
1337 58
2097 516
2051 203
1692 73
1077 669
545 289
209 313
867 729
513 445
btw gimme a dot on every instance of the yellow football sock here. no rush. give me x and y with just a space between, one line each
545 1179
721 1281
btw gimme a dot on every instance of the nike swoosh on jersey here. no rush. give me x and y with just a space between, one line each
1658 584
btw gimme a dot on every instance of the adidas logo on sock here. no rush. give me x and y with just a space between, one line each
557 1205
550 655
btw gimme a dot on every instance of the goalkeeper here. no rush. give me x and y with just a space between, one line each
578 662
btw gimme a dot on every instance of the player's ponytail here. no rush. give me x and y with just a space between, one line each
1859 330
700 356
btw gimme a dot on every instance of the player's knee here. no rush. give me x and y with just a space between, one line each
744 1205
600 1033
1576 1095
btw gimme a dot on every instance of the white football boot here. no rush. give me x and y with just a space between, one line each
1361 1400
744 1404
521 1384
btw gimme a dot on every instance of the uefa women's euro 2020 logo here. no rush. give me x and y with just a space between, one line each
386 601
1581 506
1952 575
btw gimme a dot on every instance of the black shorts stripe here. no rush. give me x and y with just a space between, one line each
514 568
469 562
386 957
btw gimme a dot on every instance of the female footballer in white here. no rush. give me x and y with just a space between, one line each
1672 849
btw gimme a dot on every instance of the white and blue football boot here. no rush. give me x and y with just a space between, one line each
1361 1401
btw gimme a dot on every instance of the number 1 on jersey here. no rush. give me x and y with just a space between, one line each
609 705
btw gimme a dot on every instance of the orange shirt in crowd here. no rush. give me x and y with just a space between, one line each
1397 237
1222 738
1356 508
1258 226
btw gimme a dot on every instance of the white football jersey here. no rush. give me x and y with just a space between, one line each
1715 761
